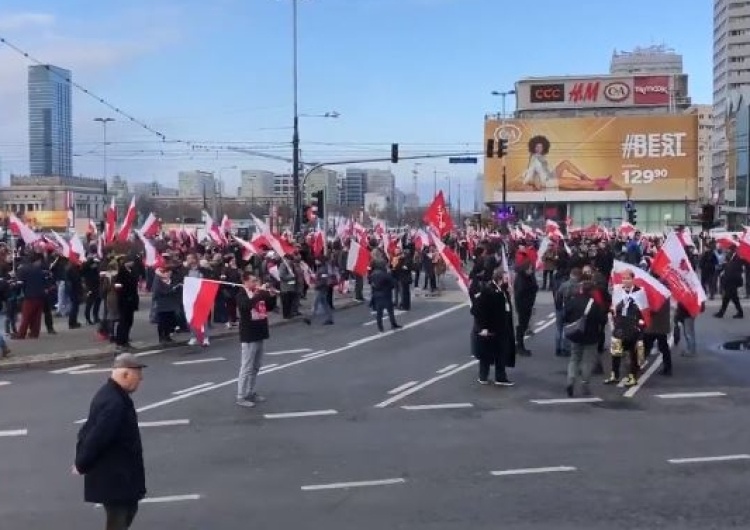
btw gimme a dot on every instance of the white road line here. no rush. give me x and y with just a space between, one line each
312 354
90 371
402 387
702 459
349 346
689 395
171 498
71 369
532 471
551 315
302 414
200 361
630 392
542 325
285 352
163 423
4 383
147 353
397 312
409 391
347 485
16 432
190 389
563 401
267 366
447 368
438 406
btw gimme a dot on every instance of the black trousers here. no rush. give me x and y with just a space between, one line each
165 324
524 317
91 309
123 326
287 303
649 339
75 305
381 305
120 516
406 296
730 295
49 322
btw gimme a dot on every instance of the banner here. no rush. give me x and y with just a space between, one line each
647 158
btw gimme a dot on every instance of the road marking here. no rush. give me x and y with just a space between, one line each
630 392
285 352
163 423
688 395
347 485
409 391
563 401
200 361
402 387
438 406
71 369
90 371
701 459
186 390
171 498
397 312
313 354
447 368
16 432
540 326
147 353
303 414
552 315
532 471
4 383
267 366
349 346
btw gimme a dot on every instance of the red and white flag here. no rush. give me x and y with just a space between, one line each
248 249
213 231
127 223
152 258
654 294
92 229
281 248
67 250
151 226
110 222
226 224
358 259
438 217
453 262
198 297
672 265
22 230
743 247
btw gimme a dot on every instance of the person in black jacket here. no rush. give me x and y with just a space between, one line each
109 453
252 305
583 345
382 294
126 283
493 316
731 281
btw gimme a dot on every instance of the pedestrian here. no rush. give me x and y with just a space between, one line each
252 305
382 284
109 453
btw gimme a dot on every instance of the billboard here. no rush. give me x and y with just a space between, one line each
591 92
653 158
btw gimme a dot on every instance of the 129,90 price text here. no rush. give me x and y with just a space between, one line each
643 176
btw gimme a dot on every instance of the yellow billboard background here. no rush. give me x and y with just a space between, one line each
595 159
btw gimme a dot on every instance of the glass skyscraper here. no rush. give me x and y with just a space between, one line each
50 121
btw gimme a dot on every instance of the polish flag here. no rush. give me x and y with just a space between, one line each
248 249
543 247
274 242
686 237
626 229
212 230
654 296
153 258
743 248
198 297
421 240
273 270
66 248
672 265
226 224
358 259
127 223
453 263
22 230
110 222
551 226
318 245
151 226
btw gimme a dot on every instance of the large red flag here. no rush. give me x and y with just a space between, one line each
453 262
127 222
198 300
438 217
672 265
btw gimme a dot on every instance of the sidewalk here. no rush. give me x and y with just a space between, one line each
70 345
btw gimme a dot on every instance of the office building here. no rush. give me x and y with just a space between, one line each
283 186
197 184
705 129
354 187
50 121
648 60
256 183
154 189
381 181
323 179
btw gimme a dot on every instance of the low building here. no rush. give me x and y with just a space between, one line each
87 197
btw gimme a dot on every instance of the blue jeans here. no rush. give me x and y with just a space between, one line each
321 305
561 343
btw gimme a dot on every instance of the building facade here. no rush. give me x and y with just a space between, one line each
705 130
50 121
256 183
647 60
381 181
87 197
283 186
354 187
197 184
154 189
323 179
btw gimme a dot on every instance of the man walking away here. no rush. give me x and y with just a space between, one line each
252 304
382 294
109 453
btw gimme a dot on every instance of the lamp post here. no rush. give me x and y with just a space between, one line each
104 122
295 134
504 95
218 192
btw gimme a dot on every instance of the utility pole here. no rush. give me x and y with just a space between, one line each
295 134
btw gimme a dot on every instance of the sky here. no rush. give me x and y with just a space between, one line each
219 74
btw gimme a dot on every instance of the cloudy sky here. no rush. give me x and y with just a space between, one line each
417 72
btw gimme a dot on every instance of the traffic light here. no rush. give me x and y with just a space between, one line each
490 148
502 147
319 203
394 153
708 217
633 216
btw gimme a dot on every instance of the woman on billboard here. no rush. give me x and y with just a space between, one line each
565 177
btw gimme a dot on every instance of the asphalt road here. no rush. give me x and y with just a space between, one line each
390 431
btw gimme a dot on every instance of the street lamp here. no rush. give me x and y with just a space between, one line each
295 134
104 122
503 95
218 195
331 114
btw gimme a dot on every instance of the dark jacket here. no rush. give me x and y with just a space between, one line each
109 452
167 298
382 283
575 307
492 311
253 315
127 295
34 281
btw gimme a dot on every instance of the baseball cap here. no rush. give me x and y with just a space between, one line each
128 360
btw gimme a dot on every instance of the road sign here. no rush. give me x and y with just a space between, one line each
462 160
629 206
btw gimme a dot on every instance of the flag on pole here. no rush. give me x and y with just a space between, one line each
198 297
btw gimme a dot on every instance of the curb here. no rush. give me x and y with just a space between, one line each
62 358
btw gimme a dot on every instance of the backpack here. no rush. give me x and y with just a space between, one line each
576 331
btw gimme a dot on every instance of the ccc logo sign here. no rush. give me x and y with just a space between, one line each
554 93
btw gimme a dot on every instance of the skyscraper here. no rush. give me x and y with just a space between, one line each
50 121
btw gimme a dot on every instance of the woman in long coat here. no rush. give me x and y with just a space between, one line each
493 314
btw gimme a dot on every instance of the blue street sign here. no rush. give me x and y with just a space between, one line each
629 205
462 160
